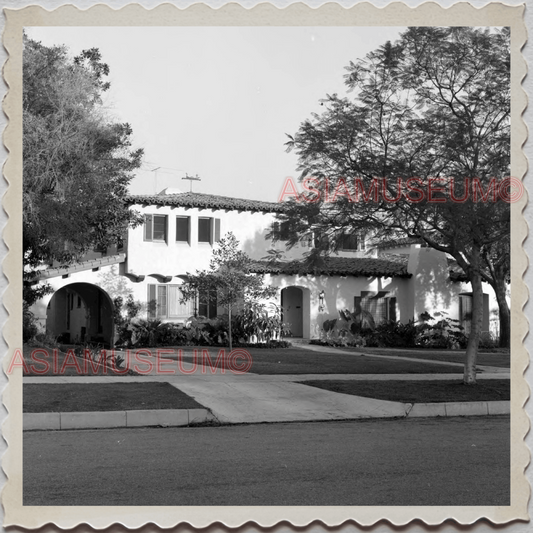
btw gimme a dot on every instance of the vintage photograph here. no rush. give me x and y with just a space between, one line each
266 265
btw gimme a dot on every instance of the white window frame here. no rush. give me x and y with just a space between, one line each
150 217
164 300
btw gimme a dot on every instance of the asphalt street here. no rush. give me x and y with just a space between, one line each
434 461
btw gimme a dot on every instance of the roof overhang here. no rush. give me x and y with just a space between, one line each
91 264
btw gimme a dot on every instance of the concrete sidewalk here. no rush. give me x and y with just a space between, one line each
252 398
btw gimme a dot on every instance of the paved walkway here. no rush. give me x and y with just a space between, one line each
332 350
249 398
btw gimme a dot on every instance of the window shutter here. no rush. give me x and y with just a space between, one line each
217 229
147 227
392 309
151 301
212 313
161 301
211 230
172 293
357 304
203 303
275 230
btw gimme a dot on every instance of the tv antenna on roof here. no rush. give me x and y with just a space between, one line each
191 179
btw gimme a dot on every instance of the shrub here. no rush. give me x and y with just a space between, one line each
123 315
29 324
487 341
445 333
353 341
259 322
250 325
393 335
44 340
268 345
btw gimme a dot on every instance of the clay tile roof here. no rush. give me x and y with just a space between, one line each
406 241
205 201
338 266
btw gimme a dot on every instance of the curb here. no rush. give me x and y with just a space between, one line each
188 417
115 419
458 409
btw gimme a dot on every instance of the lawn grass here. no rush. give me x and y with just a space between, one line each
420 391
300 361
72 397
501 359
47 363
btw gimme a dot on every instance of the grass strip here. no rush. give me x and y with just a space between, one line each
72 397
420 391
300 361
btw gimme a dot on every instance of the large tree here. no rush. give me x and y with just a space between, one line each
77 161
426 113
229 281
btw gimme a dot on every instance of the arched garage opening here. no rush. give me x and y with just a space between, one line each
81 313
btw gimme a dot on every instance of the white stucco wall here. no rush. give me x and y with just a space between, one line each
428 290
339 293
433 291
173 258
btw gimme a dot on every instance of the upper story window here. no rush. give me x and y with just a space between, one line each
307 241
99 248
183 227
155 228
280 231
353 241
208 230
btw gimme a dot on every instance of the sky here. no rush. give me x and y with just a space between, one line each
217 102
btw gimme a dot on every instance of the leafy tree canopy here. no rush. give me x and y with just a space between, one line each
433 105
77 162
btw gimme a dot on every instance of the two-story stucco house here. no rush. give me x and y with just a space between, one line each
394 281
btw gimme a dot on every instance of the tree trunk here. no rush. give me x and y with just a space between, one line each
475 331
229 330
505 315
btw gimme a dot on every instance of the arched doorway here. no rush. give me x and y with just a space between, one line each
292 306
81 313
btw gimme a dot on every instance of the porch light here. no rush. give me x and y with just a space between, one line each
321 296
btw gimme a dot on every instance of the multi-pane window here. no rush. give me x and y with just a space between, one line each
208 229
155 228
207 303
353 241
164 302
183 229
381 307
281 231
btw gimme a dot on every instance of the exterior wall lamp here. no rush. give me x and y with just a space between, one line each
321 296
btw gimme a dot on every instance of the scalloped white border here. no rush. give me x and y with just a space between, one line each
233 14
